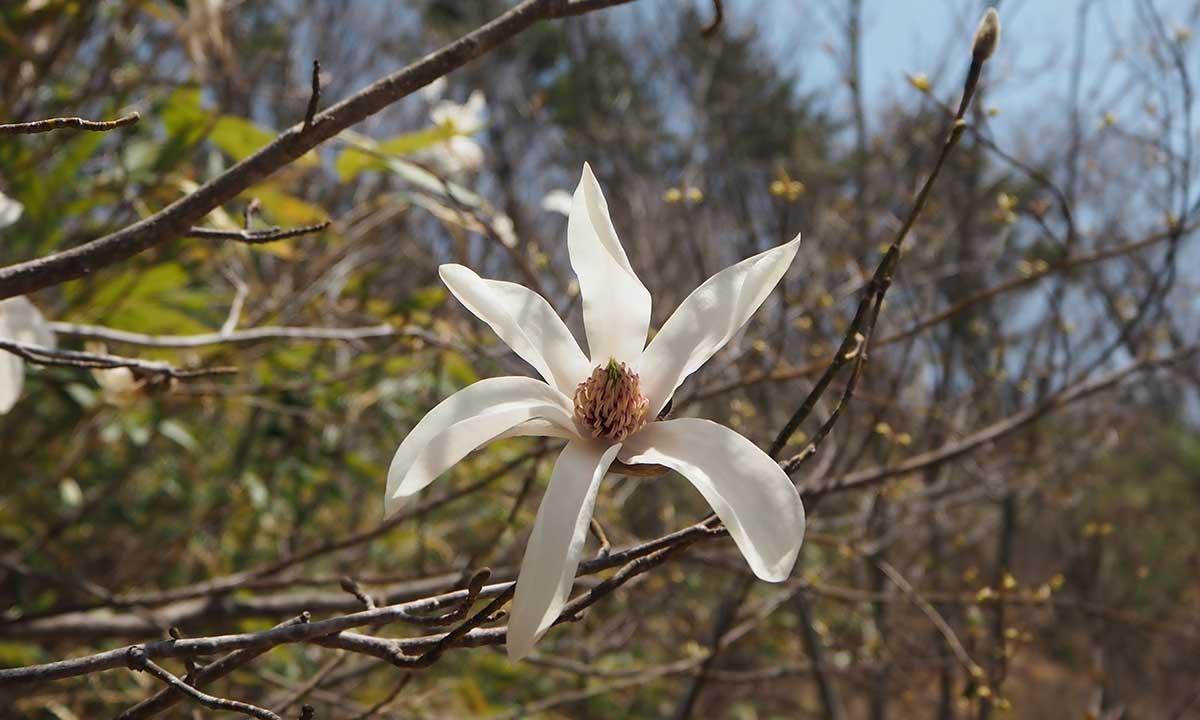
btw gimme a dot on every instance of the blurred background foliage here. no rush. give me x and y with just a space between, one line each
710 149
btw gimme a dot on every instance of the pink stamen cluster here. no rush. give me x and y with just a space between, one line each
610 402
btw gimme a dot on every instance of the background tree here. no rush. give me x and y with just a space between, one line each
1002 518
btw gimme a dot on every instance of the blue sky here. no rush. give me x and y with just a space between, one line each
915 36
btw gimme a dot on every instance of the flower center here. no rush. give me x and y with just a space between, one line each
610 402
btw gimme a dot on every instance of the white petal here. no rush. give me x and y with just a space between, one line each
746 488
434 90
462 422
463 153
10 211
467 118
558 201
525 322
538 427
12 378
556 544
20 320
616 306
475 111
505 230
707 319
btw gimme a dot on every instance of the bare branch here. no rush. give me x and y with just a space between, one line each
99 361
78 123
250 335
137 660
256 237
219 668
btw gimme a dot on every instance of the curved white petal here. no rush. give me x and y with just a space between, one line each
616 306
707 319
539 427
475 415
525 322
20 320
462 153
746 488
12 379
556 543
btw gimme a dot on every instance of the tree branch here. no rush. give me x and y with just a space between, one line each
41 126
256 237
177 218
99 361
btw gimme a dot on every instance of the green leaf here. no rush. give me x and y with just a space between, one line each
352 161
284 209
410 143
186 122
366 154
182 114
240 138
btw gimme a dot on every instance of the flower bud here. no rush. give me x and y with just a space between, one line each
987 35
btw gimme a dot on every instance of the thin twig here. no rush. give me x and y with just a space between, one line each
52 357
219 668
41 126
718 15
137 660
256 237
315 98
351 586
873 294
249 335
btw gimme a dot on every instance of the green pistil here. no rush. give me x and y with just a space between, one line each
613 370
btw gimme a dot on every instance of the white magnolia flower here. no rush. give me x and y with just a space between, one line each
460 152
558 201
20 322
466 119
606 407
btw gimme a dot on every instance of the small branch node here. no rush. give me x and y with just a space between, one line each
351 586
315 98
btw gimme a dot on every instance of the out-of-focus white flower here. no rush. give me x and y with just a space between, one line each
119 386
10 211
460 152
20 322
606 407
505 230
558 201
466 119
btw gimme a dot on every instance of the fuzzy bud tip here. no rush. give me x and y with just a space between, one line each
987 35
